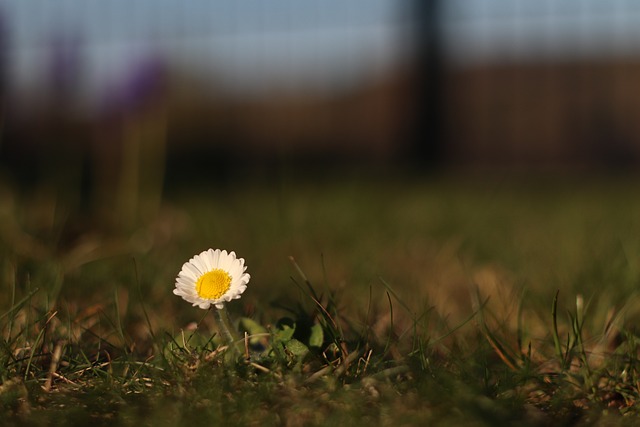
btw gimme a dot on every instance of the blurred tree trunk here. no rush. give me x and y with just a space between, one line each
3 71
427 138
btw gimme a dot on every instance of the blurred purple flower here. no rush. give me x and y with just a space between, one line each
64 64
142 84
4 42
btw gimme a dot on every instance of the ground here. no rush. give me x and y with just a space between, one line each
440 300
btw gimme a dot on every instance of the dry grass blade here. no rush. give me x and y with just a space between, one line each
53 367
508 359
339 370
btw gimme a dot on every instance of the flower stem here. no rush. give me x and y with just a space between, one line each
223 325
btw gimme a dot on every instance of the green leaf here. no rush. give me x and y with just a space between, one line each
286 329
285 334
297 348
317 336
253 328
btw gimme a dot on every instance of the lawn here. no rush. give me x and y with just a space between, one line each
436 300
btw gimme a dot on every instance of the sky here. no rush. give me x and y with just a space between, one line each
481 30
256 45
245 43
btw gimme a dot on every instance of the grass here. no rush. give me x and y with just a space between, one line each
438 301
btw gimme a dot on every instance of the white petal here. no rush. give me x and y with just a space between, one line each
215 258
184 287
224 262
184 281
235 271
207 259
186 272
200 264
193 270
188 293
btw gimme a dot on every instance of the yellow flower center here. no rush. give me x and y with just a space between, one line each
214 284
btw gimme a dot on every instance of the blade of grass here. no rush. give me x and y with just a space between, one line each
206 313
334 329
388 343
395 295
20 303
413 326
491 338
304 277
519 328
461 324
367 325
12 278
33 352
142 305
118 321
554 331
500 349
577 330
8 351
332 306
414 317
176 343
101 340
324 312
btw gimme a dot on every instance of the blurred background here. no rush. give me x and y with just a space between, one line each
157 92
163 127
499 83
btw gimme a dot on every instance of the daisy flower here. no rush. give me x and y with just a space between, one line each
212 278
